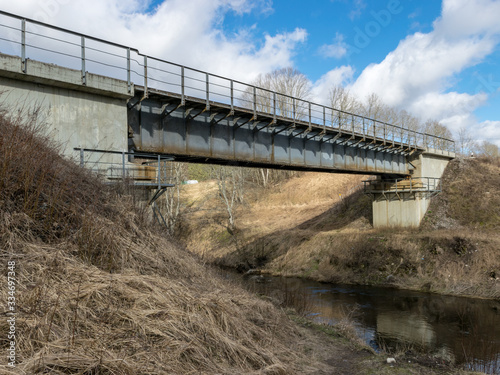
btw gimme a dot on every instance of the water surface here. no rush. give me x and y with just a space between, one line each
465 329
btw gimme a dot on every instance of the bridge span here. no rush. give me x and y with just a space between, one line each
102 95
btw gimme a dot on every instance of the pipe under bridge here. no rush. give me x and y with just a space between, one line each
103 95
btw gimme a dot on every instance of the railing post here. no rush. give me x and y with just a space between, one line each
274 107
183 95
207 105
123 166
159 173
232 96
23 45
145 76
294 109
310 115
84 77
324 118
129 82
254 102
82 159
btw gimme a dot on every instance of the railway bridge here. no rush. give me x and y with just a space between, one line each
99 95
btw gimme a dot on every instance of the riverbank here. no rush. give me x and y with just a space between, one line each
318 226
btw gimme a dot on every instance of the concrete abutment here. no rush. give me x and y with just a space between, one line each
406 207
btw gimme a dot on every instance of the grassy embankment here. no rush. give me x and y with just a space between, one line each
318 226
99 291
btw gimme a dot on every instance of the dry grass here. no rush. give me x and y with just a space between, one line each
471 196
102 292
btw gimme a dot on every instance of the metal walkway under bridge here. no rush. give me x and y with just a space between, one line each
201 117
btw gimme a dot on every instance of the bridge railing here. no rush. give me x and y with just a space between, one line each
403 185
121 166
31 39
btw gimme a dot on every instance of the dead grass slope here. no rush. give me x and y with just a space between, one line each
99 292
307 199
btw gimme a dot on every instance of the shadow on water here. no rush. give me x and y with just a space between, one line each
461 330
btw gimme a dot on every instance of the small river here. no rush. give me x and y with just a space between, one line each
465 329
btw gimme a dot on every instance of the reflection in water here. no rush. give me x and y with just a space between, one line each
464 328
406 327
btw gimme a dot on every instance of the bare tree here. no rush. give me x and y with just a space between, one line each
230 190
346 104
266 177
170 202
466 144
374 108
286 90
442 133
408 121
489 149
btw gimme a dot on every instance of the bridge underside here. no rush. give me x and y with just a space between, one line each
196 131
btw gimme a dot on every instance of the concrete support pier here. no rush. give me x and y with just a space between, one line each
404 202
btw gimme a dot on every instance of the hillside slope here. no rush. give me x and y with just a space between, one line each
318 226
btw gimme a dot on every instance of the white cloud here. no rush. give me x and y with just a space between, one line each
337 49
421 64
480 131
489 131
464 18
420 73
188 34
359 5
446 106
335 77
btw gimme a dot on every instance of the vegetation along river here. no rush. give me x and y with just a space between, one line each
465 330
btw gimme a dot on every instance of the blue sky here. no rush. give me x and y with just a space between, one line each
370 30
435 59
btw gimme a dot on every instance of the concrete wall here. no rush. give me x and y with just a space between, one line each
431 164
89 116
407 210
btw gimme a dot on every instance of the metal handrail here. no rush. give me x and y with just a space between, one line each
403 185
153 74
153 173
